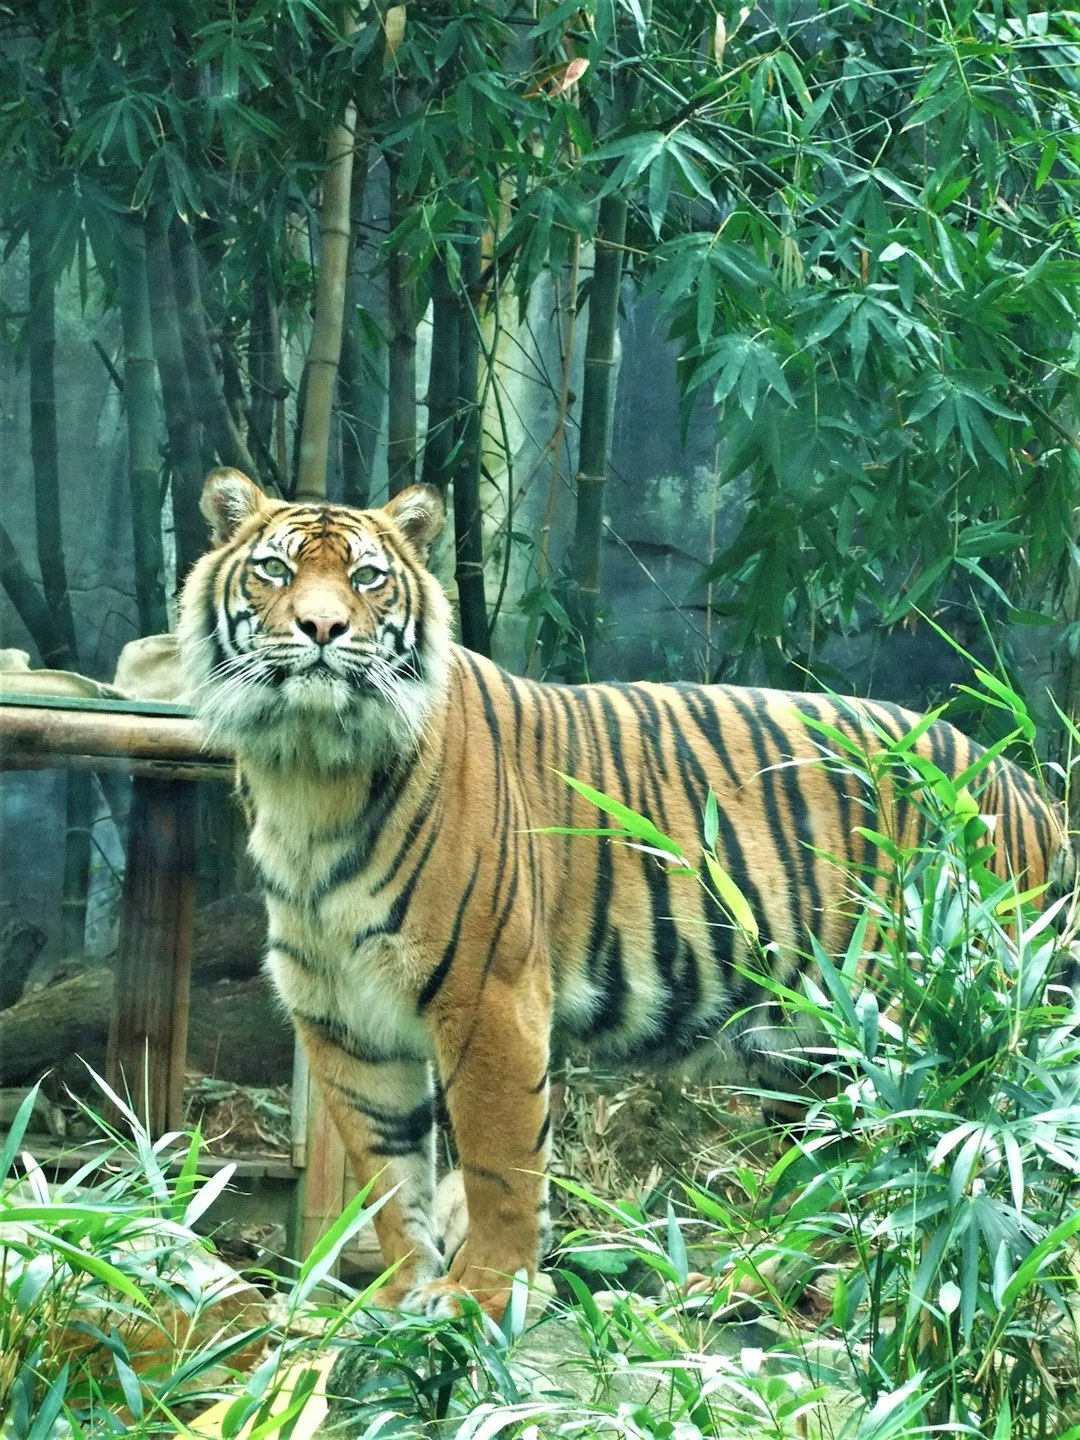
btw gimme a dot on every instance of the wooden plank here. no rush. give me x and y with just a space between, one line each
56 1158
148 1034
42 730
90 703
220 771
326 1170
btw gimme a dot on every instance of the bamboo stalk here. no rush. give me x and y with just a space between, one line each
597 418
140 403
29 605
358 404
109 765
598 381
206 390
468 533
44 449
181 421
401 381
444 379
51 732
324 354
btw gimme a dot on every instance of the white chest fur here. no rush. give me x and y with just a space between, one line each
329 954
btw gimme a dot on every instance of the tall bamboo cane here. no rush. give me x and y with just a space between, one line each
45 459
598 380
140 403
401 376
181 422
443 379
468 533
325 350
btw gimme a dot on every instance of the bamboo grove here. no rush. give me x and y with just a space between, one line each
859 229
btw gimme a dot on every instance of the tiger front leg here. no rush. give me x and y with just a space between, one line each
384 1111
493 1064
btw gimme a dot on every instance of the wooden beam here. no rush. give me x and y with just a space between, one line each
117 765
47 731
148 1035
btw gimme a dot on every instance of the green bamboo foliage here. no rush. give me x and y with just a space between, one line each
324 354
140 402
468 433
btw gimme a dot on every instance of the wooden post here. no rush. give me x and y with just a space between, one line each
326 1168
148 1035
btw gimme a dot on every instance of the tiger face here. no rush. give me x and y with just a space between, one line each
315 632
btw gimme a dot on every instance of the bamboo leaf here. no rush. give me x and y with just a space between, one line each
731 897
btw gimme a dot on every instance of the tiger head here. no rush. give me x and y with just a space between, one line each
315 632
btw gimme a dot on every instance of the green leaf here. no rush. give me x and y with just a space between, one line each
712 822
13 1139
730 896
634 825
324 1253
85 1260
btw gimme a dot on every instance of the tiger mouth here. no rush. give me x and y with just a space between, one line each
318 671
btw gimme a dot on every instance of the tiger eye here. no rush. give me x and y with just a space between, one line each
274 568
366 575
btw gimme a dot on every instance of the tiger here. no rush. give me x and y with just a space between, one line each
425 923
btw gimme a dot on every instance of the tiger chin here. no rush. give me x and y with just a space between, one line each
421 926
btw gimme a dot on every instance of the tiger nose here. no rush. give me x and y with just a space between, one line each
322 628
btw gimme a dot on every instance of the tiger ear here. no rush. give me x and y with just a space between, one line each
419 513
228 499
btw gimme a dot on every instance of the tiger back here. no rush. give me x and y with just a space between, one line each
422 925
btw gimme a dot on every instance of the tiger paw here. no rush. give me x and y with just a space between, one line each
445 1299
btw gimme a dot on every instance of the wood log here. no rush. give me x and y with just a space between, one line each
236 1033
71 1015
51 1024
148 1033
239 1032
34 730
228 939
20 945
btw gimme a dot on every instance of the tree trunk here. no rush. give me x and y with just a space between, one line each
468 534
206 391
597 415
269 388
29 606
44 448
72 1014
325 352
444 379
140 403
44 453
598 382
181 421
359 404
66 1018
401 398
